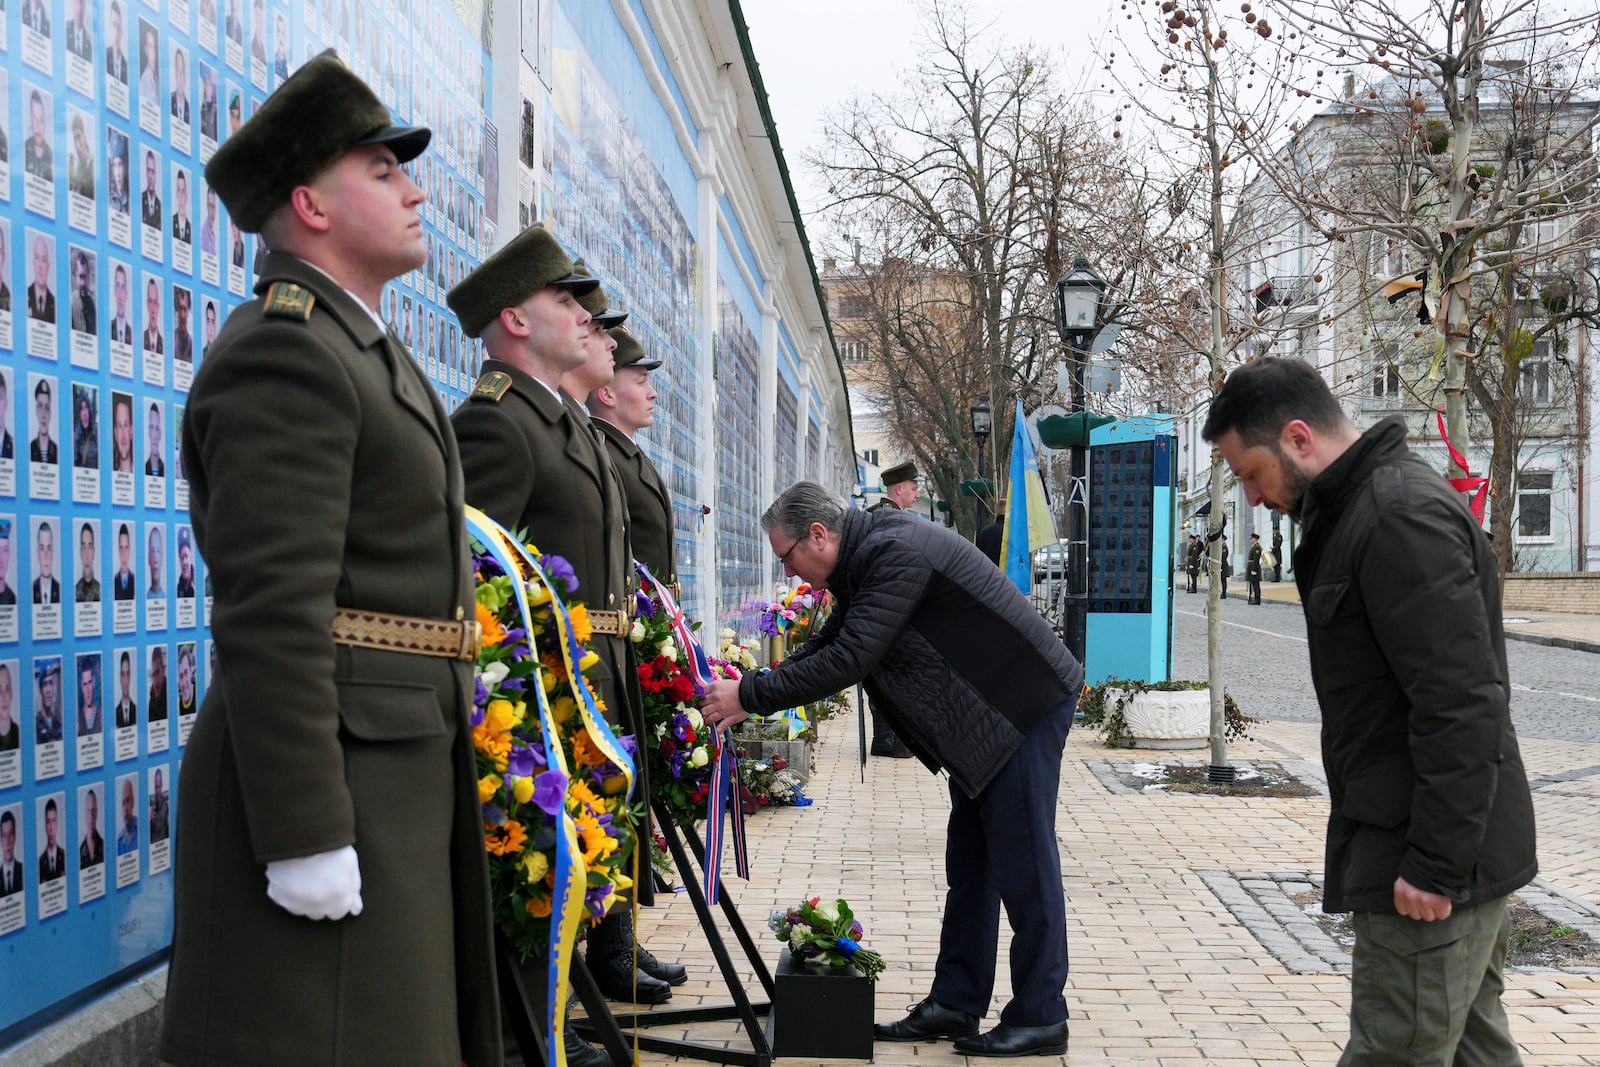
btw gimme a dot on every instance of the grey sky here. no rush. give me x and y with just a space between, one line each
813 55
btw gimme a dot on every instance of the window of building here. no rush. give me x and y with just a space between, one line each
1535 369
1534 490
1388 256
869 456
1386 371
852 305
853 351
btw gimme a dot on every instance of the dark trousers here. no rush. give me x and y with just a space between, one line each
1194 580
1002 849
1253 589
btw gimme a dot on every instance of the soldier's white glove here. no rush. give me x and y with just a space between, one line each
324 886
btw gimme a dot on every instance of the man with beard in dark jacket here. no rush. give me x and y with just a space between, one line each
974 682
1432 820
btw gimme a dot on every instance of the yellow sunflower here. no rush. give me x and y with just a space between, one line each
593 839
504 840
493 632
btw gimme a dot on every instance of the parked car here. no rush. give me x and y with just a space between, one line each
1050 562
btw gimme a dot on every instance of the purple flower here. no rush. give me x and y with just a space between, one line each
596 900
494 815
520 762
646 606
855 930
557 569
628 744
550 791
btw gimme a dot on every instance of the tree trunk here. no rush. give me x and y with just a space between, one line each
1455 260
1219 371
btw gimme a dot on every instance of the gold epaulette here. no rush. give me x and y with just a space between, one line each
492 386
286 300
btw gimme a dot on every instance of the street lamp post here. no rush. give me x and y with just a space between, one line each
982 426
1081 308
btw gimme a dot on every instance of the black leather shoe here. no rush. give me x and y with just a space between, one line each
627 985
660 970
582 1054
927 1021
1008 1040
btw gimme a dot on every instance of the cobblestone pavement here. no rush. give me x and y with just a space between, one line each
1163 973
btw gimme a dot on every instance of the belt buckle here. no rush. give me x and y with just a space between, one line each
471 640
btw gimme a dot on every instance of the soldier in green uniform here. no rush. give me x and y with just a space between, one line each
330 773
534 463
899 486
620 410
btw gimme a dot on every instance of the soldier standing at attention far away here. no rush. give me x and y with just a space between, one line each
620 411
330 774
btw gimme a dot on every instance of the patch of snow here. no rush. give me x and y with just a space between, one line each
1153 772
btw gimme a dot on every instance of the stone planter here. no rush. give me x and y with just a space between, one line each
1179 719
819 1012
795 753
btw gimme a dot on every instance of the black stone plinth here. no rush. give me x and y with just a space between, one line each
819 1012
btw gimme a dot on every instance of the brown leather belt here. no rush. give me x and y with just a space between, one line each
450 638
608 623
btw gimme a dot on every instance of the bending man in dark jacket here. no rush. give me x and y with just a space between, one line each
975 682
1432 821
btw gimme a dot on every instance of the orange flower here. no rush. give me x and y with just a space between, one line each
585 751
592 838
581 629
504 840
493 632
552 663
539 907
579 791
497 746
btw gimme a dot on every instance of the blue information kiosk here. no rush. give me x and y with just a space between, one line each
1132 521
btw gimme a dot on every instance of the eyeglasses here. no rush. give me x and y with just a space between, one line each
784 559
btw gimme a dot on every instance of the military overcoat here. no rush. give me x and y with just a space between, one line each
650 528
323 472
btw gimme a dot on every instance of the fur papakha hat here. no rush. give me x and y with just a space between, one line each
597 302
317 115
629 352
529 261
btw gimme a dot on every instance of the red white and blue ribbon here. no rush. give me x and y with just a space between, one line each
699 667
724 796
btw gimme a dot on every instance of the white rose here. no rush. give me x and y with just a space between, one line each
700 757
828 913
637 632
726 635
695 718
669 650
493 675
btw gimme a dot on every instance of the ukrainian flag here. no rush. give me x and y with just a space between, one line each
1029 525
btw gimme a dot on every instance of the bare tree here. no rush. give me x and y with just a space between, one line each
1459 153
968 194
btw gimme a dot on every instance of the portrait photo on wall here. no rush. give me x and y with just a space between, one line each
85 443
82 176
149 77
44 455
11 733
152 342
121 329
13 877
116 57
125 714
209 106
86 590
8 578
41 294
47 729
91 719
128 819
83 307
51 822
91 844
8 439
155 700
182 228
152 232
122 461
38 152
119 195
5 282
178 98
182 336
160 828
80 47
155 579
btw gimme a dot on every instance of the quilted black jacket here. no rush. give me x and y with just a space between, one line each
947 648
1408 658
